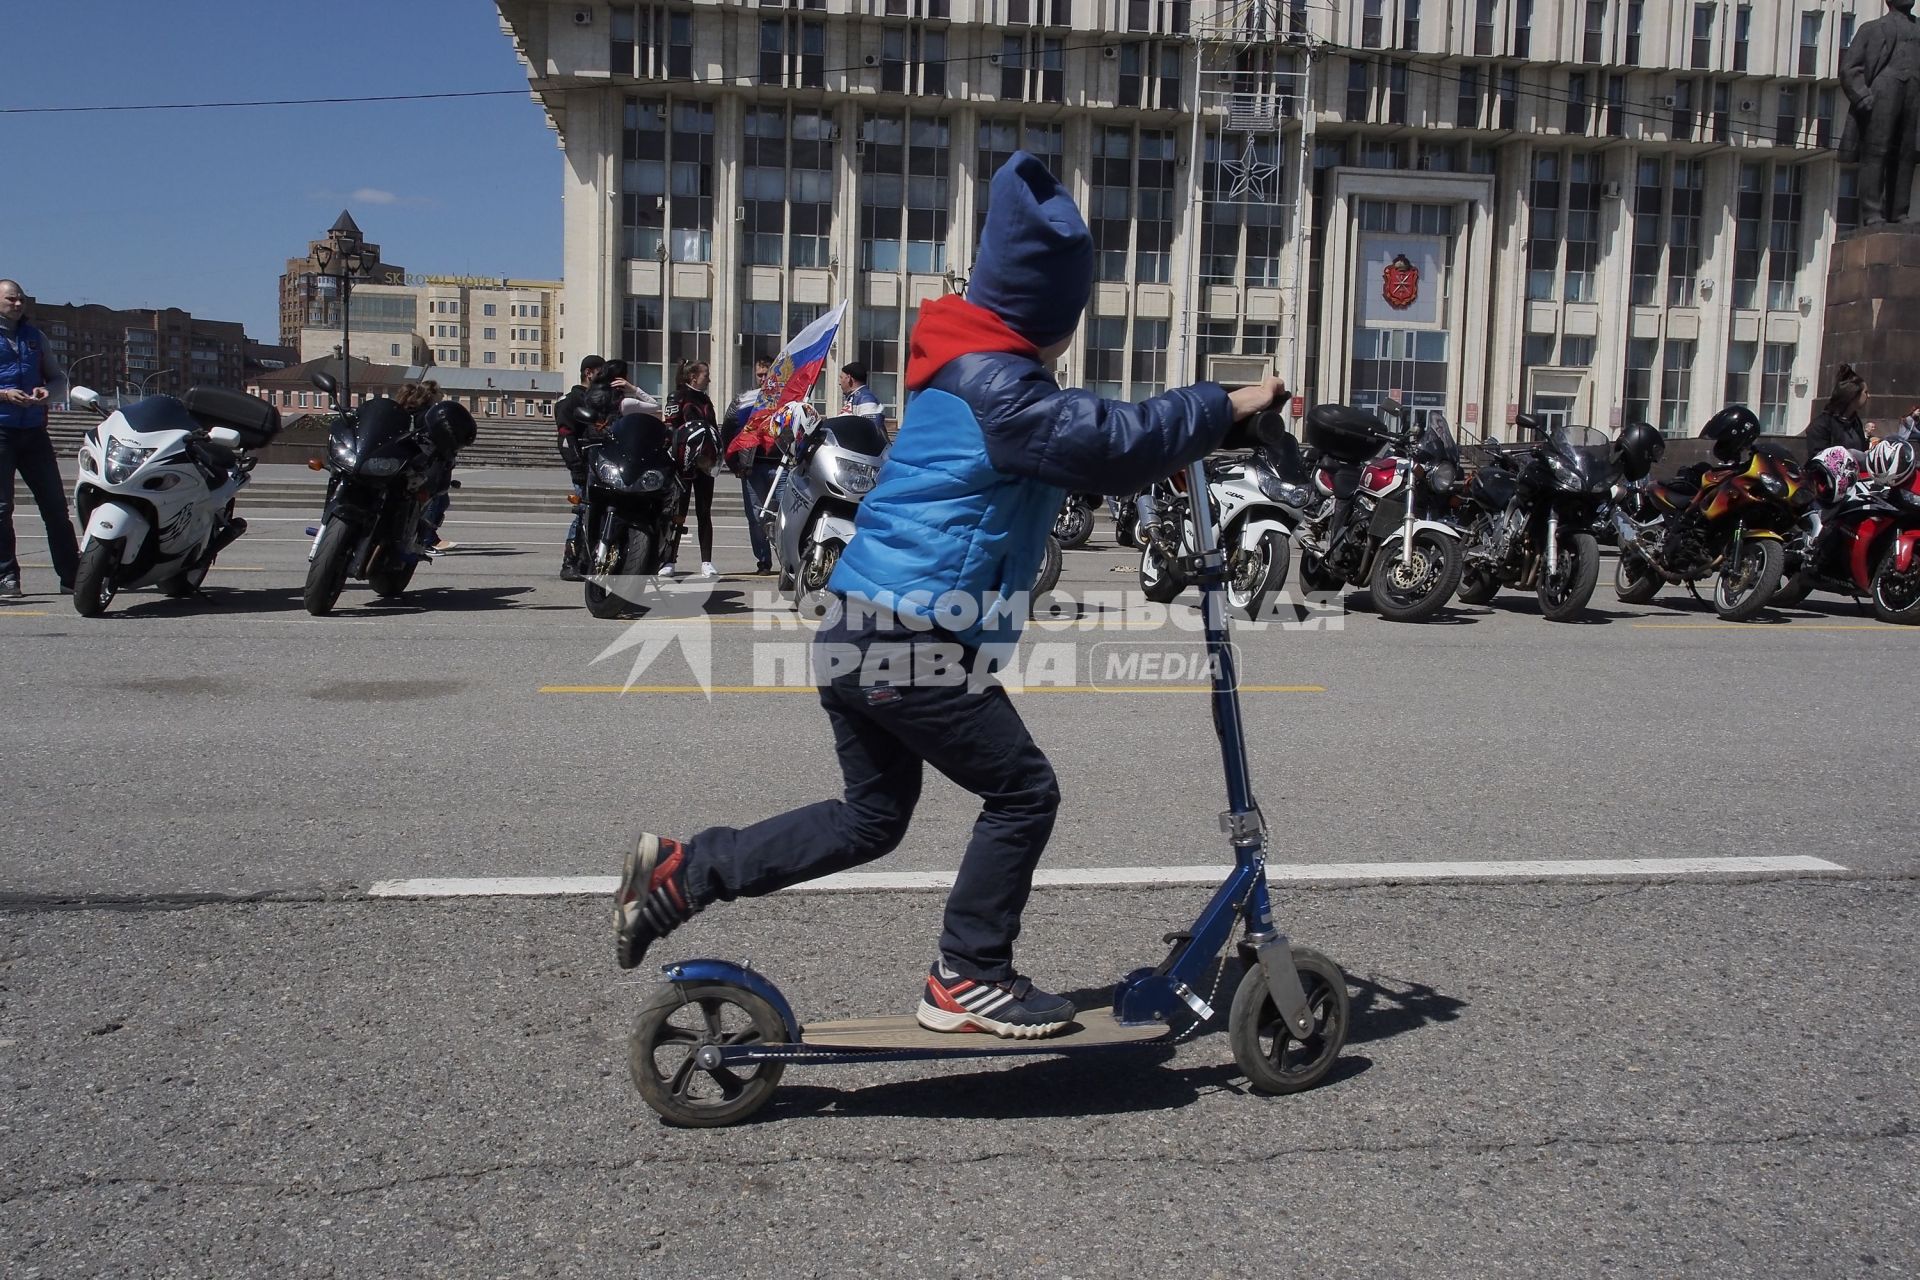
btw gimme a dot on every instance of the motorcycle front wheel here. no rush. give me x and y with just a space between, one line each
635 553
1158 582
1564 597
1634 580
93 580
1413 590
1073 526
327 574
1316 578
1256 574
1746 585
1896 595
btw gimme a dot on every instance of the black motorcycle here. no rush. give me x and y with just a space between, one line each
1074 525
629 509
385 466
1530 518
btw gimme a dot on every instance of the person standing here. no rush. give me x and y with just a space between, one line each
29 377
566 433
758 463
696 445
860 399
1839 423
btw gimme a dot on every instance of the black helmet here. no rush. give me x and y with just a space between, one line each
1732 431
1640 447
449 420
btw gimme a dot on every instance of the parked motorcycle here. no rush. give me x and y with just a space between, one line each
827 469
1124 510
1074 525
629 507
1864 540
385 466
1530 516
156 489
1379 521
1730 518
1896 577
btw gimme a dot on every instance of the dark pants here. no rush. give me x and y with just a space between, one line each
756 485
883 734
699 495
29 451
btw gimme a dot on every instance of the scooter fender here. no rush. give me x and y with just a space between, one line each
1254 530
726 971
116 522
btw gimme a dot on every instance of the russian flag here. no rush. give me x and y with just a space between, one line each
799 363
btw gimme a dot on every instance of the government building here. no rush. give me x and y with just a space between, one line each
1598 210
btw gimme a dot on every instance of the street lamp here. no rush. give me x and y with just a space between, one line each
352 263
142 388
75 365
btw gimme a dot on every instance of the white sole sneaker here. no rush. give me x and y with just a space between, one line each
937 1019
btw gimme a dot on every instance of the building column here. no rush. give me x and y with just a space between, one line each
726 272
591 215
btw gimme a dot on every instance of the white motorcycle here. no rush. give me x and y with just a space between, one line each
1257 498
156 489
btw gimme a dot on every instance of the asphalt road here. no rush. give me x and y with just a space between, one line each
1704 1076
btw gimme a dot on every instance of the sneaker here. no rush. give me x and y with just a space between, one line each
445 544
764 568
1014 1008
569 574
651 901
667 570
707 570
10 588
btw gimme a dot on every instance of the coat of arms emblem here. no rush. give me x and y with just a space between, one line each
1401 285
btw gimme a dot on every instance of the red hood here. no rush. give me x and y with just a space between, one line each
951 327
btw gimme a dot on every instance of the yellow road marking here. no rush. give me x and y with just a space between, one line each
1068 688
23 613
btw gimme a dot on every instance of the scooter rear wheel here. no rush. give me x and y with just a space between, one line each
1275 1060
677 1022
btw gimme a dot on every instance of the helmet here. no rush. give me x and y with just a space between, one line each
1640 447
1732 431
451 426
1890 462
1833 472
791 422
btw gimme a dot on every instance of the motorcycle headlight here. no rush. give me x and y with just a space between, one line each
87 462
651 481
1774 485
380 466
1563 475
123 460
341 447
1443 477
857 477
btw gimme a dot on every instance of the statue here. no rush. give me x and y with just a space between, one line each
1880 73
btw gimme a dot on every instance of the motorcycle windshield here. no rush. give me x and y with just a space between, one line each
856 434
1582 450
158 413
1437 444
379 426
637 444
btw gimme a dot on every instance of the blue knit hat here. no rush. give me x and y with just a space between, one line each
1035 269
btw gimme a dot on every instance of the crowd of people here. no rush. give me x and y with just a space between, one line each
704 441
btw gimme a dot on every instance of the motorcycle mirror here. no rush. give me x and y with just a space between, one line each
581 416
86 398
325 383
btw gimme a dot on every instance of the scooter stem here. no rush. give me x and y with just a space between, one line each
1227 721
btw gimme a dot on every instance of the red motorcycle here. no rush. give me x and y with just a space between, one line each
1894 548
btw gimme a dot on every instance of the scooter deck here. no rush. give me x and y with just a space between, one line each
1090 1027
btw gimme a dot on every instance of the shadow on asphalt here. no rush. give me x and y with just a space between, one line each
353 602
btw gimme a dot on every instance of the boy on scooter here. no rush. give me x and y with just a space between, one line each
932 591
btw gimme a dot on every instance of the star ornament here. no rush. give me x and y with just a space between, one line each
671 612
1250 175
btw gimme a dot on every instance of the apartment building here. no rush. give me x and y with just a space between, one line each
142 351
1608 210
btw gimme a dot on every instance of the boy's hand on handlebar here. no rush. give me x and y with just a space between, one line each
1258 398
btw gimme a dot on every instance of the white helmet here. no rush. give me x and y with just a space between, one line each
1890 462
1840 470
791 423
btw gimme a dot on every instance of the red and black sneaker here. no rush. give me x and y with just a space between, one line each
1013 1008
651 901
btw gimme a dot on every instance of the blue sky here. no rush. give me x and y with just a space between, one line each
201 209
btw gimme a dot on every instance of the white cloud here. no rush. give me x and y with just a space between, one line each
373 195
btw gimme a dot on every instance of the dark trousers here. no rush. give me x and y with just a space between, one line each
883 735
755 486
698 488
29 451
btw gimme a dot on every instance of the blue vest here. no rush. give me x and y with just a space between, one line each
20 371
943 535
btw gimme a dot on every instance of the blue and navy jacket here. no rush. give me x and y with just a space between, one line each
20 365
988 448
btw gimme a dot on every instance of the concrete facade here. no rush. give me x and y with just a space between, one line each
1619 209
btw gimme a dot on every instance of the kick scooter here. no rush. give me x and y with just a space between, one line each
711 1045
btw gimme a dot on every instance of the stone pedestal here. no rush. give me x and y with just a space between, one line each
1873 317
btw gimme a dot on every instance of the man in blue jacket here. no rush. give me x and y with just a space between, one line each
29 374
948 543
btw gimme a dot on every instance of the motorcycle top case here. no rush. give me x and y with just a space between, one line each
254 419
1343 434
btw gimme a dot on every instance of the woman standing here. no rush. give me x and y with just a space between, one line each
1839 423
696 446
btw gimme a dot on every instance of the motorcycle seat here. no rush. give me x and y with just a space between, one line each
1494 488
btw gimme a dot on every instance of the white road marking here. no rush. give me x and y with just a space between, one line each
1280 873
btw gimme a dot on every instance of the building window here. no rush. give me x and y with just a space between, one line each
1509 98
760 336
1150 75
488 358
1522 28
1749 235
1359 91
913 60
1167 17
487 309
995 144
878 343
489 335
1483 29
1040 13
1577 102
793 53
1810 43
667 181
904 193
1585 172
1641 353
1676 387
1683 111
1410 24
1775 378
1543 235
1032 68
641 345
1786 121
1576 352
1784 237
1847 214
1151 338
1684 236
1243 220
652 42
1649 216
1722 112
1107 356
1153 249
1397 93
1616 106
1373 22
1636 11
787 187
1701 58
1740 361
1111 202
1594 45
689 331
1742 35
1466 110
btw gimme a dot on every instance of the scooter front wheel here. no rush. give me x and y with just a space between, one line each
680 1020
1274 1059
